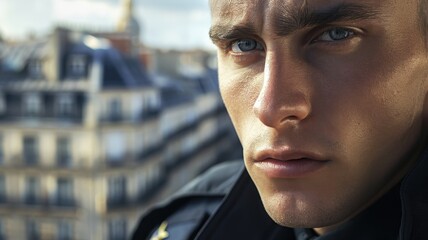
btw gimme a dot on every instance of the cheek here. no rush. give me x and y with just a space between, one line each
375 95
375 116
371 113
239 90
378 123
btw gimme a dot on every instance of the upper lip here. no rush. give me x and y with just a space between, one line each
287 154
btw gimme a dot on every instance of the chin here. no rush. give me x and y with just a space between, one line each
298 213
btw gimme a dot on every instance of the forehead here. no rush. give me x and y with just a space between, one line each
259 11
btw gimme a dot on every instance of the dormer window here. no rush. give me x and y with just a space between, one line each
77 66
35 69
115 109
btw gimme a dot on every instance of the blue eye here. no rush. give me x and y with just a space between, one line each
246 45
335 34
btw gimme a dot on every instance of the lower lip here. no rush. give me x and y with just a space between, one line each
289 169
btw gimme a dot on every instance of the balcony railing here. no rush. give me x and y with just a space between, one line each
117 202
32 200
64 160
38 203
31 158
144 116
21 115
147 153
65 202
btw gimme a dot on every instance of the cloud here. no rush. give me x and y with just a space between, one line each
176 29
20 17
86 13
165 23
176 5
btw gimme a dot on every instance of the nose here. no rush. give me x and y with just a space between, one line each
284 96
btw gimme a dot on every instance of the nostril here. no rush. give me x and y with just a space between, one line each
290 118
277 112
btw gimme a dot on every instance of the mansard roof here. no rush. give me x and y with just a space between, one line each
118 69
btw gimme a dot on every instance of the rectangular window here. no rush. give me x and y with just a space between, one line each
2 188
65 105
115 145
1 150
32 104
32 230
77 66
115 110
2 230
116 191
65 231
32 188
63 152
117 229
65 193
2 103
31 153
35 70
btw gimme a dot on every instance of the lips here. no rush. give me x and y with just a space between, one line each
287 163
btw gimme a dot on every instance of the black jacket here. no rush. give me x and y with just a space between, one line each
224 204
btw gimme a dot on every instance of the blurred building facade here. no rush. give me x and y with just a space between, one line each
89 138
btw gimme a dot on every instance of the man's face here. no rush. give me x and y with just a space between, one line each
327 98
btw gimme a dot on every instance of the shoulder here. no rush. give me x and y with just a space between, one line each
190 207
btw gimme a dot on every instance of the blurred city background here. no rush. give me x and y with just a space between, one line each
106 108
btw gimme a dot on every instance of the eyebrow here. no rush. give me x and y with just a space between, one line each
288 20
226 32
291 20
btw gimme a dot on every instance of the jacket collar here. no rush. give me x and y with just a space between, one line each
414 201
242 216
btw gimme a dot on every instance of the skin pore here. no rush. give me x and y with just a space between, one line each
340 81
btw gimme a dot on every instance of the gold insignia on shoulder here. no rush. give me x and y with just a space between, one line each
162 233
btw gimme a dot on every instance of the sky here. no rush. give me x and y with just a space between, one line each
173 24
